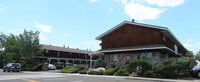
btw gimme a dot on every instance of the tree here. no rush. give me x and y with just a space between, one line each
189 53
23 48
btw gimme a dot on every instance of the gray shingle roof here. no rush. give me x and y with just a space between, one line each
64 49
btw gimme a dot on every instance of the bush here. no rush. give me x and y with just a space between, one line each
124 66
182 63
169 61
82 72
95 72
121 72
168 71
109 71
138 66
39 67
149 73
69 71
80 67
69 67
98 63
110 66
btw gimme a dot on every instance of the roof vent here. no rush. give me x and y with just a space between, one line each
132 20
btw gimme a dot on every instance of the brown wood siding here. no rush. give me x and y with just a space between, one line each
132 35
52 53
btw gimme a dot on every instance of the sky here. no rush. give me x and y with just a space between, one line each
76 23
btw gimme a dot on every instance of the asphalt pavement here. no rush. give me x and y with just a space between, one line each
55 76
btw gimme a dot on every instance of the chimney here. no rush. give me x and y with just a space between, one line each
50 44
132 20
87 49
90 49
68 47
77 48
64 46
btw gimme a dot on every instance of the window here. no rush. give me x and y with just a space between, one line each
86 56
127 56
164 38
166 55
112 57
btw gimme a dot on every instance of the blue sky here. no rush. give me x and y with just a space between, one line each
76 23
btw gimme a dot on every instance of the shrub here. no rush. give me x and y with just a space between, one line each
169 61
39 67
138 66
109 71
80 67
98 63
95 72
69 67
149 73
121 72
110 66
124 66
69 71
167 71
82 72
154 61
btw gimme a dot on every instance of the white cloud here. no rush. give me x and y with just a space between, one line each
163 3
44 28
92 1
12 31
111 9
141 12
1 9
123 1
92 43
65 35
42 37
189 40
198 43
187 45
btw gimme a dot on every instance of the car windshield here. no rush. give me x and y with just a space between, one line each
9 64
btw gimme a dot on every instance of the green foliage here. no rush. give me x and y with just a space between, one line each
95 72
182 63
167 71
121 72
124 66
98 63
138 66
22 48
110 71
189 53
82 72
153 61
79 67
169 61
150 73
72 69
110 66
69 71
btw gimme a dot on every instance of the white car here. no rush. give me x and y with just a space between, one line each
51 67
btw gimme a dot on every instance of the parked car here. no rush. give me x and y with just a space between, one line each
12 67
59 65
51 67
195 71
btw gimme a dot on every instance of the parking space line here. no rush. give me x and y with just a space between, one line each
29 80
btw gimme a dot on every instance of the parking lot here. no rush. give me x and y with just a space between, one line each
55 76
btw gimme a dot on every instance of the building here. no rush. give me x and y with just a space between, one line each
127 40
53 54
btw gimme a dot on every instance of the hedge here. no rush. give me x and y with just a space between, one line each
95 72
82 72
109 71
69 71
121 72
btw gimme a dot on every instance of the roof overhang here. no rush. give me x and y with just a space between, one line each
139 48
